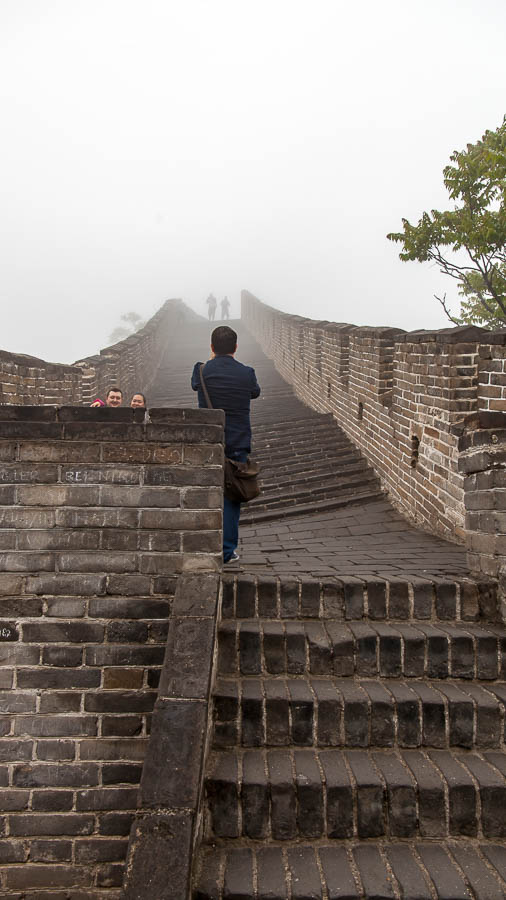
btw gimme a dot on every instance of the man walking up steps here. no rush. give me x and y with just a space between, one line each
231 387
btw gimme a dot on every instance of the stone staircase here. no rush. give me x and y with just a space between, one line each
358 742
307 463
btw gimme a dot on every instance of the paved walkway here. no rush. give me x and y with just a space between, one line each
369 539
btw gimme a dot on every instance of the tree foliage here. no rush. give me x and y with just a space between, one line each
468 242
133 322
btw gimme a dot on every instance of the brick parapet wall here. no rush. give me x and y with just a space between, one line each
130 364
395 394
99 515
482 462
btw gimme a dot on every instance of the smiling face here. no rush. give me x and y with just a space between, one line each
114 398
138 400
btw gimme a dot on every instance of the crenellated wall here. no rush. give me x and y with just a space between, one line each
130 364
397 395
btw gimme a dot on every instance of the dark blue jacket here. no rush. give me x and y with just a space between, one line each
231 386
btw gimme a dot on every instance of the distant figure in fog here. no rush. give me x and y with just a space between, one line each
225 306
211 307
114 398
138 401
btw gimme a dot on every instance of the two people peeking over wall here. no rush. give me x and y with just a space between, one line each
114 398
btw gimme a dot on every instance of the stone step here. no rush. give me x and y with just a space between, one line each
323 489
254 516
385 870
295 425
289 448
390 650
327 463
311 478
331 712
313 457
310 794
350 598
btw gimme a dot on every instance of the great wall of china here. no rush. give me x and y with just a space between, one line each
324 720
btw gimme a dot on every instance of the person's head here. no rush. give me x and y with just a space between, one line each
114 397
138 400
223 341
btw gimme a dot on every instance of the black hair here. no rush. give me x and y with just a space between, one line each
139 394
115 389
224 340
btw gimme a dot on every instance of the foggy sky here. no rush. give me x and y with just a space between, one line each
163 148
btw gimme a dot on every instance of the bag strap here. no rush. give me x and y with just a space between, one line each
204 387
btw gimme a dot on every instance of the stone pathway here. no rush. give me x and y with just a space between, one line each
372 538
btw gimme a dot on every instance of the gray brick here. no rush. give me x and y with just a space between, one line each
28 824
447 880
19 561
61 775
370 795
73 632
283 797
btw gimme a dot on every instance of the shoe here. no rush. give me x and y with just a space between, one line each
233 558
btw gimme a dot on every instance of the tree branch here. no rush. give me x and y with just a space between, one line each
442 301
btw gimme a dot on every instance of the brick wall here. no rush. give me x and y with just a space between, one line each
397 395
99 515
130 364
482 445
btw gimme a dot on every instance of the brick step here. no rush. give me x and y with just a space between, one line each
305 476
318 464
282 411
295 425
350 598
314 456
308 442
316 506
392 650
323 488
287 794
421 870
332 712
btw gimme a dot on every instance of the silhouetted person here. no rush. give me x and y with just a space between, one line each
211 307
231 386
225 306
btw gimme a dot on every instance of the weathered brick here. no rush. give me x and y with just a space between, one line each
101 748
27 562
51 851
103 850
73 632
58 679
96 562
129 608
83 585
23 473
71 824
60 775
106 799
140 497
56 750
55 726
181 519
